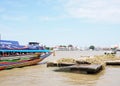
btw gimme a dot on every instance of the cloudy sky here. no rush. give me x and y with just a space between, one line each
54 22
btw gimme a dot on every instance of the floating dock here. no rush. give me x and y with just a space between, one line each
116 62
86 69
79 68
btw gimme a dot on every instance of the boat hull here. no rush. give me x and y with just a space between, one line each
23 63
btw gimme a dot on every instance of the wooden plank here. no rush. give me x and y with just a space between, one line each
55 64
82 62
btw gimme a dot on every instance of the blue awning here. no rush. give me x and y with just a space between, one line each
27 51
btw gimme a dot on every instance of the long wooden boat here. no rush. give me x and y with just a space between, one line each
21 61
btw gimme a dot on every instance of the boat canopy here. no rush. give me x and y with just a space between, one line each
24 51
14 45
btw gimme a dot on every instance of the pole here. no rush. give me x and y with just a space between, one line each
53 53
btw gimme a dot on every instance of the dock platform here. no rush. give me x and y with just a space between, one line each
79 68
116 62
87 69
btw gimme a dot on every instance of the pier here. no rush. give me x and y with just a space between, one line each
116 62
72 67
87 69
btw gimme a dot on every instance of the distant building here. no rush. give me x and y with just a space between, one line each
65 48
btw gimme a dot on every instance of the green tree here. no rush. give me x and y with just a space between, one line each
92 47
70 45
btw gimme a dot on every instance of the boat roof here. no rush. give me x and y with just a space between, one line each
27 51
9 42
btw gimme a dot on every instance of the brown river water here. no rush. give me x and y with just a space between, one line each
40 75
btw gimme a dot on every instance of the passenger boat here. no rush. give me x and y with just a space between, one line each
21 61
13 55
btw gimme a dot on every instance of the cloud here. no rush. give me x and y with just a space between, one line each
54 18
97 10
89 10
14 18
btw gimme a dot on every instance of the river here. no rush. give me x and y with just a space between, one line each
40 75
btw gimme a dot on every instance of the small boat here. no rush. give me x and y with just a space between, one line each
21 61
13 55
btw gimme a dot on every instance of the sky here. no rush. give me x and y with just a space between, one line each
61 22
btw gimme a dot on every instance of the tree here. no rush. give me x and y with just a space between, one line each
92 47
70 45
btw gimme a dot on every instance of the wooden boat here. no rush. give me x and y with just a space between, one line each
13 55
21 61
